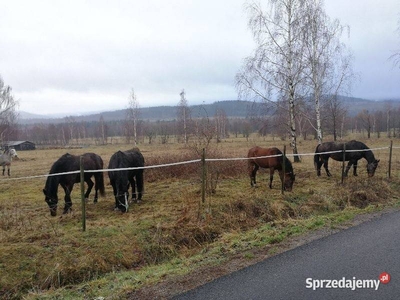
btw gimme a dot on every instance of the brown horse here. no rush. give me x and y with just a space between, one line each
270 158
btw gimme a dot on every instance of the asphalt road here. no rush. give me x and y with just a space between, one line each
359 253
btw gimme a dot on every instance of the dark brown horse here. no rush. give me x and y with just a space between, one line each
272 159
70 163
335 151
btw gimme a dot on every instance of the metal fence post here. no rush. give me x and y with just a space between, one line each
83 200
390 158
283 169
203 176
344 160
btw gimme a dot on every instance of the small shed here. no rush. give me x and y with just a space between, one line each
20 145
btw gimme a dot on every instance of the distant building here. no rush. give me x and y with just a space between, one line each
20 145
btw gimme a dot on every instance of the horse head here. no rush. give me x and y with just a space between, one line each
11 152
122 191
51 202
371 167
122 201
289 180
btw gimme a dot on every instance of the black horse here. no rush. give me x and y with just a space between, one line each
351 156
121 179
70 163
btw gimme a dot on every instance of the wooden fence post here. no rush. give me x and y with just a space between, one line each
390 158
83 200
344 160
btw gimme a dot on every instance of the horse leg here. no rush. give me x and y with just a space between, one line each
321 161
4 169
319 165
96 188
8 170
140 184
67 198
346 171
326 167
253 173
89 189
355 168
271 177
133 186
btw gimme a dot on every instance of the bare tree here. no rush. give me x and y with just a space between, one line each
366 119
276 68
221 124
335 113
183 116
328 65
132 118
396 56
103 130
388 109
7 110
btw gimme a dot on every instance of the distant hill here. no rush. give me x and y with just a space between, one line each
232 109
355 105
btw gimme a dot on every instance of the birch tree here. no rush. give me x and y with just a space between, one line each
132 117
183 116
276 68
7 110
396 56
328 62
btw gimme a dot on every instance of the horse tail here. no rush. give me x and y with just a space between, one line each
100 179
100 176
316 157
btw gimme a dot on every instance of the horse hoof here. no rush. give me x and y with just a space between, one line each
95 201
67 210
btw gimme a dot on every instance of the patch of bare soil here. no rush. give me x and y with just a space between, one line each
176 285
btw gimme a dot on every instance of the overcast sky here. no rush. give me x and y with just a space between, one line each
80 56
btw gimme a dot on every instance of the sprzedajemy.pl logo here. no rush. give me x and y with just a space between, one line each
345 283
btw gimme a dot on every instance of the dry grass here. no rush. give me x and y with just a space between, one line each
39 252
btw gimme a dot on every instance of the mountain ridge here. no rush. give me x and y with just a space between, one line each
231 108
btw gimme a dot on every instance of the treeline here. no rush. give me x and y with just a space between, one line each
213 128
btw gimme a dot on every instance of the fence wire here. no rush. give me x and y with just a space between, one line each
190 162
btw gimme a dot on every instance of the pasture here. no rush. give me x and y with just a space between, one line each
172 231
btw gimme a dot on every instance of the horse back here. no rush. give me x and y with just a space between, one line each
135 158
265 162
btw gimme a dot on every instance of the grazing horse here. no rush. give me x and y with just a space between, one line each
352 156
71 163
121 179
6 158
273 162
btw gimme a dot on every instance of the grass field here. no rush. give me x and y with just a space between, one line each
172 232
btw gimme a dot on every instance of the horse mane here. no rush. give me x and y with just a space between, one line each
368 155
288 165
63 164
